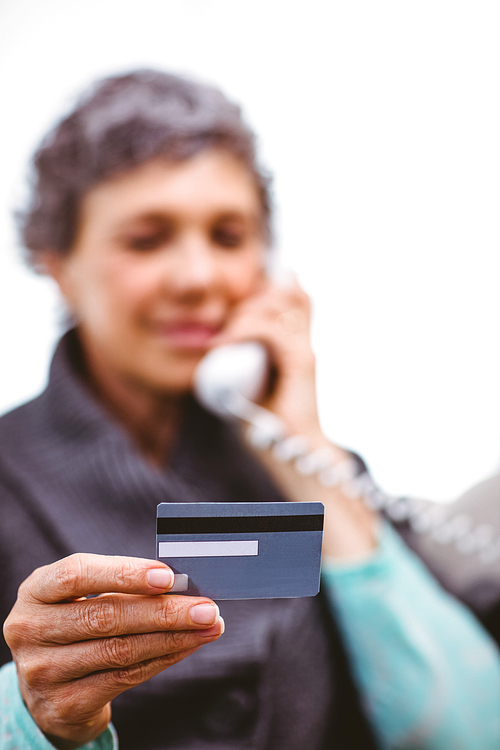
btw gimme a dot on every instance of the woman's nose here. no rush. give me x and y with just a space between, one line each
194 271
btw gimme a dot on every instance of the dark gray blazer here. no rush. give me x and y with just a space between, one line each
71 480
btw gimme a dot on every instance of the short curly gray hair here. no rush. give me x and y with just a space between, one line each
121 123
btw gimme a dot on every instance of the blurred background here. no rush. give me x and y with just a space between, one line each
381 123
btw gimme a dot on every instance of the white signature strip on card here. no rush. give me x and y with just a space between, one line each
242 548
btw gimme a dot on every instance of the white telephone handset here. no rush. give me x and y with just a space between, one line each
231 372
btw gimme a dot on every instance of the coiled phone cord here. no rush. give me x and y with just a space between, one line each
266 431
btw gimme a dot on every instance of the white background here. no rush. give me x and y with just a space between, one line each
381 122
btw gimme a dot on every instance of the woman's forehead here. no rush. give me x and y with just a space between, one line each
210 182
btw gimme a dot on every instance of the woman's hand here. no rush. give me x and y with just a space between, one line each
74 655
279 317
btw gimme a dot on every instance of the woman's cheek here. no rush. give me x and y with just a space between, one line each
248 283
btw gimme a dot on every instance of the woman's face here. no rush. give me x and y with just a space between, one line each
162 257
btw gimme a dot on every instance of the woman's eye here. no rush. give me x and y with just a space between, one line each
149 241
226 237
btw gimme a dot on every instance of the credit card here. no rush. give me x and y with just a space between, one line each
242 550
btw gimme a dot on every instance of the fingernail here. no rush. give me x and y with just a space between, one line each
217 629
160 578
204 614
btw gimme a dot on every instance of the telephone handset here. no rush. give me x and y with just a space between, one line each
230 379
231 372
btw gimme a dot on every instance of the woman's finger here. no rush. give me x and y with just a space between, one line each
255 318
83 700
74 661
83 574
107 616
115 681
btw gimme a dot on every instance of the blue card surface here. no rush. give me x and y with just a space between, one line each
242 550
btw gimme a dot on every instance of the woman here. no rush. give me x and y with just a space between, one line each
152 217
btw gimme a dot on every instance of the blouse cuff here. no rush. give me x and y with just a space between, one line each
18 730
367 566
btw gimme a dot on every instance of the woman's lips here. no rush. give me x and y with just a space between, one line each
187 335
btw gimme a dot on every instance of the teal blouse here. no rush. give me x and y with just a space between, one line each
18 731
428 671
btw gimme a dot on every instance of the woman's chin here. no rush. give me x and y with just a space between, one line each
175 378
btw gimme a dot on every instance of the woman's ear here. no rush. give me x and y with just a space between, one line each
54 264
48 262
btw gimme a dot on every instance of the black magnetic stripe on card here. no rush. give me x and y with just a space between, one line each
238 524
